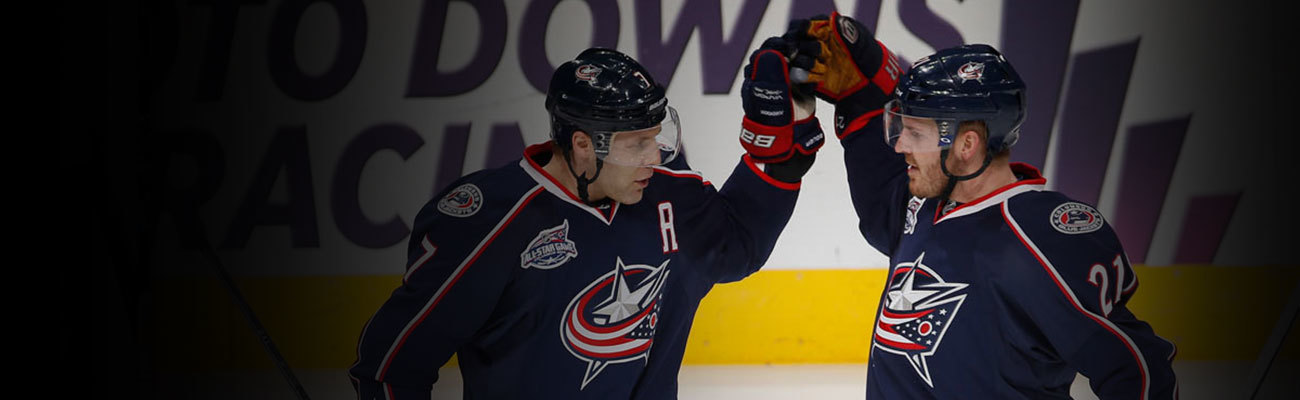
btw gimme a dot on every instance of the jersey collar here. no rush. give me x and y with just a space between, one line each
1033 181
530 165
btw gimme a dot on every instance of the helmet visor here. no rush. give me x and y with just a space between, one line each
657 145
916 134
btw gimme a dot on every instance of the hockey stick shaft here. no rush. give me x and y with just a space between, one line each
198 234
238 298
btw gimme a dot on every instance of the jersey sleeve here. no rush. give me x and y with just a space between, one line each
1075 284
450 287
732 231
877 184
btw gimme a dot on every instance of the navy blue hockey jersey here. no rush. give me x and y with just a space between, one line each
543 296
1004 297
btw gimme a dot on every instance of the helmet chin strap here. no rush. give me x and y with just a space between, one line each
953 179
583 181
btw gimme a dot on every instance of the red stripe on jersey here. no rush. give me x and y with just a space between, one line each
905 269
623 353
393 353
1074 301
1034 178
538 149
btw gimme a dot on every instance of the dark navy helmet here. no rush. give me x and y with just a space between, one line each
603 92
971 82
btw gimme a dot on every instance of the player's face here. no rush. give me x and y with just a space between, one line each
919 145
625 181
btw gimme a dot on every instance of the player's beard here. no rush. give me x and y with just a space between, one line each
928 181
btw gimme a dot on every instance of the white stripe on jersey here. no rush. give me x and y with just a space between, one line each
429 249
559 192
971 208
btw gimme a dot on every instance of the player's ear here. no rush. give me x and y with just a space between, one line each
969 144
582 146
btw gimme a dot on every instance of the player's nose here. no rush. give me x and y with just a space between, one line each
899 147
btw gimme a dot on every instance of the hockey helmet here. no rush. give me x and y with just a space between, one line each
614 100
971 82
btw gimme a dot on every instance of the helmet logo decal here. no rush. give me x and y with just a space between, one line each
848 30
587 73
971 71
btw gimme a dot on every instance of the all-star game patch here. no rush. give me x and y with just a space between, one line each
1075 218
462 202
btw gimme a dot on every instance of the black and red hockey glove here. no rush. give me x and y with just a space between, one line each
779 122
853 70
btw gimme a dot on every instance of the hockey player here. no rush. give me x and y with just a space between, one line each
575 273
997 288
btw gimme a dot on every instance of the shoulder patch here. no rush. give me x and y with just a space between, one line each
463 201
1075 218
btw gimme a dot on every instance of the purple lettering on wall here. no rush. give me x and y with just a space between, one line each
1149 160
532 37
929 27
345 199
287 152
280 54
1204 226
506 145
451 162
425 79
1036 39
216 54
719 59
1090 117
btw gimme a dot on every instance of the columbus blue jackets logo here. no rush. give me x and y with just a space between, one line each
971 71
463 201
919 308
1076 218
613 319
549 249
587 73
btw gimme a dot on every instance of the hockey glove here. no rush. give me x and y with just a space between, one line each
853 70
779 121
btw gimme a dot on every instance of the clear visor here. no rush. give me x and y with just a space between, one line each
648 147
912 134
